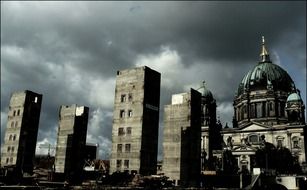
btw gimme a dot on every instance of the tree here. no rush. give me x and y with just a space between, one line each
284 161
279 159
230 165
265 156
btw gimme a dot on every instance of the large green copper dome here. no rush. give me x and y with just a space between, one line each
262 94
266 75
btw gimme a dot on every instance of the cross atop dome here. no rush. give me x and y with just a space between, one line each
264 55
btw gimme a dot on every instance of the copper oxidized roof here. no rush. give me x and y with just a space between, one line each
264 74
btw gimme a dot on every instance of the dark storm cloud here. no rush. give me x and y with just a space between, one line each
70 51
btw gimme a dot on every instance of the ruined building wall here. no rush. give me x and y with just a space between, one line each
182 138
21 130
136 121
71 139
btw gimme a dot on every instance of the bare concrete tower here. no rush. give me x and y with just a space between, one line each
21 131
182 138
69 157
136 121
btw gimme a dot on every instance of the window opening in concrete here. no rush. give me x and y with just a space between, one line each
8 149
118 163
11 160
126 163
7 160
121 131
18 112
10 138
12 124
14 113
130 97
122 113
16 123
119 148
127 147
129 113
128 130
123 98
13 149
14 138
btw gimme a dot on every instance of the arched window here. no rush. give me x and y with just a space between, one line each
8 149
259 109
295 142
252 111
264 111
280 141
271 106
16 123
7 160
10 138
11 160
14 137
13 149
241 112
12 124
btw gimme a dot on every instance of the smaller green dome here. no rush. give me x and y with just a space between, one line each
293 97
205 92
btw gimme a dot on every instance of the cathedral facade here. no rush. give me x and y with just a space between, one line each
268 108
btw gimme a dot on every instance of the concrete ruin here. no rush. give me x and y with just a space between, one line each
136 121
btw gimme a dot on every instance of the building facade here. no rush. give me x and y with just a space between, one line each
71 140
21 131
267 108
211 138
136 121
182 138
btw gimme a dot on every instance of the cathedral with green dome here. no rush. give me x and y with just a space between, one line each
267 108
267 134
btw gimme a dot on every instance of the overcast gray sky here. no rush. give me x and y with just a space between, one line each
70 52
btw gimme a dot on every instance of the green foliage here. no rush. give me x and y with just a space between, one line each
230 164
279 159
